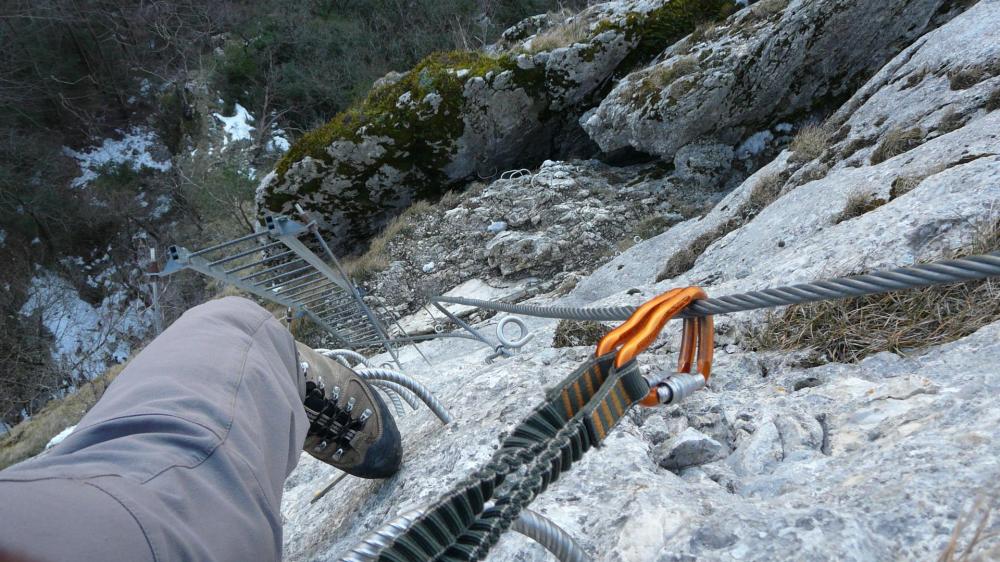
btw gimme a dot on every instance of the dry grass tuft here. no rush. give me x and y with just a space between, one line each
767 8
765 192
810 142
965 78
662 76
859 203
993 102
903 185
376 259
951 120
851 329
896 142
572 30
29 438
575 333
979 515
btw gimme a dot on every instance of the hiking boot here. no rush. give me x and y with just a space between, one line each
350 427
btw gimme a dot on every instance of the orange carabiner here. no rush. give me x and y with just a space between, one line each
641 329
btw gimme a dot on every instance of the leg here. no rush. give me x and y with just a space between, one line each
182 459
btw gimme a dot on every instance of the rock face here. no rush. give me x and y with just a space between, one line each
456 115
774 60
776 459
558 221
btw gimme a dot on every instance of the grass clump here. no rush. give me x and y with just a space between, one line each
376 258
572 30
993 102
29 438
896 142
858 203
577 333
651 226
903 185
662 76
849 330
767 8
810 142
967 77
951 120
765 192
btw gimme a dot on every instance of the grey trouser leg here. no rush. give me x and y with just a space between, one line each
183 458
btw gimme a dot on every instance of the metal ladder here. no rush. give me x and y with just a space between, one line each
276 265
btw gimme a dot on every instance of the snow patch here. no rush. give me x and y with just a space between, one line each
131 150
754 145
87 338
60 437
278 143
238 126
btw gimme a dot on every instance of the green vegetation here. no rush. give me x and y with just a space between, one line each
852 329
422 132
657 29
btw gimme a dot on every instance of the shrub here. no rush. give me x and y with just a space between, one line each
810 142
849 330
896 142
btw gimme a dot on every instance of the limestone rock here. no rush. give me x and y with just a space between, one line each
772 60
453 117
690 448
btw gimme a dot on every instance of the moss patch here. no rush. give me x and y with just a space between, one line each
422 131
657 29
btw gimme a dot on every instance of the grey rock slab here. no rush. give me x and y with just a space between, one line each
690 448
753 70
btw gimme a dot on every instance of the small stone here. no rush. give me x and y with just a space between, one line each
429 267
731 348
690 448
497 227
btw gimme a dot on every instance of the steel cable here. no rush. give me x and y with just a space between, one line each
938 273
435 405
530 524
